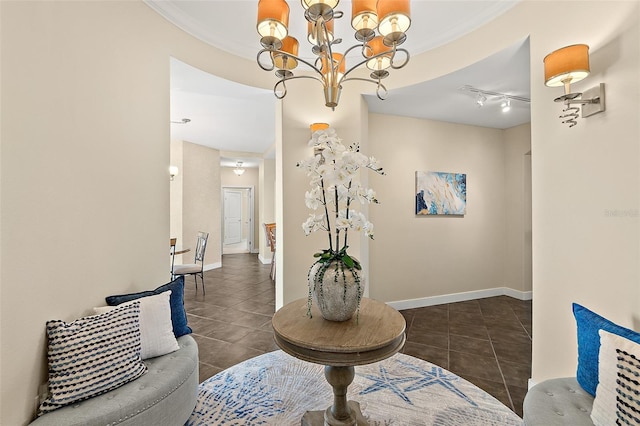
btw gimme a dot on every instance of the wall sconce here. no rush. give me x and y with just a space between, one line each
318 126
568 65
238 170
173 172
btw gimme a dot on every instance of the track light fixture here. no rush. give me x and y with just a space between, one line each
484 96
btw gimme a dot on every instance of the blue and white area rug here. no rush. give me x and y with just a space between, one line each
277 389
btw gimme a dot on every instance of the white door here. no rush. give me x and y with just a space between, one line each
232 216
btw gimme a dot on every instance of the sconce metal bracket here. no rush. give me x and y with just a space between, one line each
597 94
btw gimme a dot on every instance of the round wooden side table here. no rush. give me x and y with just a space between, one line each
377 333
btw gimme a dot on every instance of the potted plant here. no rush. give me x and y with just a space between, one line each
335 278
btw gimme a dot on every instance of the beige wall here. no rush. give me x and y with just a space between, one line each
175 200
201 194
582 178
417 257
84 172
266 207
517 181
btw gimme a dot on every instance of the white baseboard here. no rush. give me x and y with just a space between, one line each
212 266
264 260
460 297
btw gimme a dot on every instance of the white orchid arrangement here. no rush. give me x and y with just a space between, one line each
336 192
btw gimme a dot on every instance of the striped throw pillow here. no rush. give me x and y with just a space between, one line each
617 399
92 355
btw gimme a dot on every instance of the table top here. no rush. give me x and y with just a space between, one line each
376 334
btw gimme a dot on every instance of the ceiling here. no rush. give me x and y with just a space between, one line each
232 117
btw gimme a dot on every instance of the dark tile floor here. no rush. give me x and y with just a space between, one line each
486 341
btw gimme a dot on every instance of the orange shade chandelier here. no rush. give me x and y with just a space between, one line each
380 27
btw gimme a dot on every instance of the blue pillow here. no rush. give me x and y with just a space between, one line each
176 302
589 323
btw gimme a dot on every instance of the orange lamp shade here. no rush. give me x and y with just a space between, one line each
283 61
273 18
318 126
364 15
312 27
394 16
338 61
382 62
566 65
331 3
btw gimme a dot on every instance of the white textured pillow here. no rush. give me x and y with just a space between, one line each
156 330
617 394
92 355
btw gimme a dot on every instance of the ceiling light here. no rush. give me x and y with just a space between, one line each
391 19
481 99
238 170
506 104
565 66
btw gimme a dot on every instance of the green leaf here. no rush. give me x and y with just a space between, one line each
347 260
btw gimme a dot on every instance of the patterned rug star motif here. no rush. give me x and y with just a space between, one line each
386 381
432 377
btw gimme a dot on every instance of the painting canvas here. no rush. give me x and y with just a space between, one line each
441 193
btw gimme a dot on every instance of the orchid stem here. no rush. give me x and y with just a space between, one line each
326 214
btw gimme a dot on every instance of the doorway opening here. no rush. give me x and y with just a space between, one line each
237 220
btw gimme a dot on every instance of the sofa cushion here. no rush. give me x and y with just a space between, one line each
156 330
92 355
617 394
165 395
557 402
176 301
589 323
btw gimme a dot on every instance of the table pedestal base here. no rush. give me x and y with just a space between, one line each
341 413
318 418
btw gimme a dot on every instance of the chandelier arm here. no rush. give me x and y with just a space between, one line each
362 62
406 59
294 77
261 65
377 82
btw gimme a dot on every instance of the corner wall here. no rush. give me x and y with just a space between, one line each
418 257
201 206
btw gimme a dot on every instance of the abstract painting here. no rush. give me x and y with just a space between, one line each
441 193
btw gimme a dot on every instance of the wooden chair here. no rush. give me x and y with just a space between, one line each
197 267
172 252
270 231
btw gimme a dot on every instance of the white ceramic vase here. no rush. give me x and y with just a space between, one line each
336 290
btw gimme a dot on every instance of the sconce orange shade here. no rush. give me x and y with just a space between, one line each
566 65
363 14
273 18
382 62
318 126
286 62
394 16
